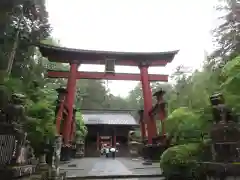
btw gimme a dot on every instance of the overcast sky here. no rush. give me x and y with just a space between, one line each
136 25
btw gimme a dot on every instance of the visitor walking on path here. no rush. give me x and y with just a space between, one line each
107 151
113 152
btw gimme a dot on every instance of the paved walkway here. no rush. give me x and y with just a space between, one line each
104 166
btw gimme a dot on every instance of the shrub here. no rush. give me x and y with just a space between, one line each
183 126
81 129
39 124
180 160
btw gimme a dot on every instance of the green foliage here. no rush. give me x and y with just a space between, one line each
14 85
231 75
183 125
40 124
81 130
29 65
189 124
230 82
220 73
180 160
227 34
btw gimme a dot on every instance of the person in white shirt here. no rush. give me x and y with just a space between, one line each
107 151
113 152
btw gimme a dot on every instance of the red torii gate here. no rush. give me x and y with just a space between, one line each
77 57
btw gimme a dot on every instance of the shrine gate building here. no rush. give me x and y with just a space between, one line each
108 127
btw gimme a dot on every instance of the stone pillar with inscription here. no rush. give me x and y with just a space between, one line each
223 150
54 172
15 154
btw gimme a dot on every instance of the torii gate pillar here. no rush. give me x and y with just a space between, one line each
147 96
71 88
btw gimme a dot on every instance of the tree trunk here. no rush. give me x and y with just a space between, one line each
12 55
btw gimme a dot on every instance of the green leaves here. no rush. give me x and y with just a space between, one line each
81 129
231 82
227 34
180 160
231 75
183 125
42 116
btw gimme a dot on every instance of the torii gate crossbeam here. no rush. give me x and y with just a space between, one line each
101 75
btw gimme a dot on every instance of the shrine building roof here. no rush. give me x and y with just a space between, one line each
108 118
66 55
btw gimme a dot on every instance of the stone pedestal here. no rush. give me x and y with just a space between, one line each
79 154
73 151
220 170
147 154
79 148
42 163
134 149
42 159
12 172
15 150
66 152
152 152
225 157
54 171
14 154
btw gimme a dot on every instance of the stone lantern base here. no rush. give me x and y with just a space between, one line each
66 152
153 152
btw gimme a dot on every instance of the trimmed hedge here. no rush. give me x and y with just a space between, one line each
181 160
